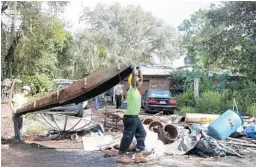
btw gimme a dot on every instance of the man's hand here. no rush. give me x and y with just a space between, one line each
140 75
14 111
134 70
119 64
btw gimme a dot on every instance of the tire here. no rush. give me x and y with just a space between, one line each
171 112
146 109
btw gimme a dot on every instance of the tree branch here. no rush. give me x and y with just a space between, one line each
4 7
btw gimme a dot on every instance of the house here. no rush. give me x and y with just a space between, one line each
155 77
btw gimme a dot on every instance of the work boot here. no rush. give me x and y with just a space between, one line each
123 159
140 158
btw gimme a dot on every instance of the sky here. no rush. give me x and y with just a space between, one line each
171 11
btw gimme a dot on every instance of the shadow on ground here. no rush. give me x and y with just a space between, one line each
38 155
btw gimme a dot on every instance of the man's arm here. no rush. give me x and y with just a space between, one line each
11 105
134 77
140 77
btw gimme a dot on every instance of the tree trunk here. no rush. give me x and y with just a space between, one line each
14 37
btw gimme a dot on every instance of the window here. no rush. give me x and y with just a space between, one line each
57 86
159 93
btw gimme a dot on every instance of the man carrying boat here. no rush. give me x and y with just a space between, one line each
132 124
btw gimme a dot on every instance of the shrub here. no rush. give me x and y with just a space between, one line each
185 99
252 109
219 101
35 130
30 116
41 80
210 102
185 110
227 99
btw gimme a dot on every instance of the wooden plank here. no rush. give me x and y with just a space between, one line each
81 90
241 144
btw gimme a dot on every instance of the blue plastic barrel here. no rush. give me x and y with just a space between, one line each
225 125
124 105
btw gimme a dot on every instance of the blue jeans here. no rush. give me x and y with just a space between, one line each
17 121
132 127
118 101
96 102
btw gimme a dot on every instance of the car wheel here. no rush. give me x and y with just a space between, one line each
146 109
166 112
171 112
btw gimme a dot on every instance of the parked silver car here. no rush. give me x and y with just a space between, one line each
69 109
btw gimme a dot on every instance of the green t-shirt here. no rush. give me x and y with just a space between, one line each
133 101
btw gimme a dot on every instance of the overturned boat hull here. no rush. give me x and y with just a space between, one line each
84 89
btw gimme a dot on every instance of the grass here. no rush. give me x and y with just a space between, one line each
34 130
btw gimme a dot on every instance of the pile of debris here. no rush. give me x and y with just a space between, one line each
170 135
166 134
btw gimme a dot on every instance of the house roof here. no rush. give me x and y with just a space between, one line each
156 70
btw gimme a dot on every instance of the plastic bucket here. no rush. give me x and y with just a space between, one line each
225 125
124 105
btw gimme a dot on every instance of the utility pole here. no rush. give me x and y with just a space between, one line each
196 88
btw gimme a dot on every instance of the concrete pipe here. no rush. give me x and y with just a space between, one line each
182 119
171 132
155 125
147 121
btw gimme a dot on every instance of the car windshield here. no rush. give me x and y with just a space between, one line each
63 85
159 93
57 86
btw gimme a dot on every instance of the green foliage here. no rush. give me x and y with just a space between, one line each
127 33
185 99
38 50
41 45
195 30
252 109
210 102
223 36
30 116
41 80
35 130
246 97
218 101
34 46
186 109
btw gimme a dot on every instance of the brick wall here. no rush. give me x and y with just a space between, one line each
151 82
159 83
